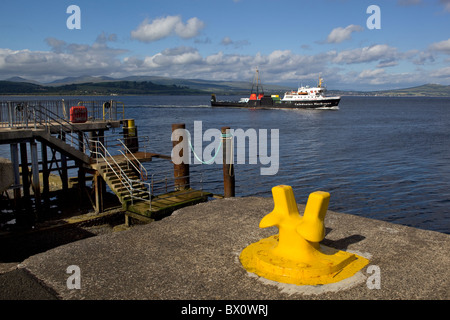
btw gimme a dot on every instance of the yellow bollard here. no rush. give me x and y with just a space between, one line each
295 254
131 128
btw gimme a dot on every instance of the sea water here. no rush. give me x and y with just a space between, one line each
385 158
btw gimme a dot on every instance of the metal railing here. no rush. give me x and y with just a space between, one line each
113 146
162 184
133 161
117 146
14 113
100 151
109 110
54 124
23 115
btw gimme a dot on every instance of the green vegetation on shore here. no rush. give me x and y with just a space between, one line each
167 86
96 88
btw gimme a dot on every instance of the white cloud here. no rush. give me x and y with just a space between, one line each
176 56
282 66
441 73
164 27
62 60
446 4
420 57
443 46
340 34
226 41
367 54
371 73
190 29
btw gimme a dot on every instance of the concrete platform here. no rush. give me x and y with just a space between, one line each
194 255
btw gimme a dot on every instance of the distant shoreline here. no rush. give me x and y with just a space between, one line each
149 88
206 94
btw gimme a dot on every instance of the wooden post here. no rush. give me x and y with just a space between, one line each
45 171
131 136
81 145
93 145
181 171
101 139
99 186
15 161
228 167
81 171
64 173
25 171
35 171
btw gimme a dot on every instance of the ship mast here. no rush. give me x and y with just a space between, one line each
257 80
319 85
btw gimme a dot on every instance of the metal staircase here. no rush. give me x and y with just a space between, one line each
122 172
142 196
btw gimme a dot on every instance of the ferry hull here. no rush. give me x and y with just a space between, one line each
272 104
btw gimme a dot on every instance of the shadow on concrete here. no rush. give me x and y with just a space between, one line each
342 244
19 284
18 247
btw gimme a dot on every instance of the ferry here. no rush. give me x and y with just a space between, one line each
303 97
306 97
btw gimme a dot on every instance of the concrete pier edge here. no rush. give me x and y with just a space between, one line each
193 255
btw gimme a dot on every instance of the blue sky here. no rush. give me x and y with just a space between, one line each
291 42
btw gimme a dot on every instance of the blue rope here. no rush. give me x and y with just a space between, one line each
224 135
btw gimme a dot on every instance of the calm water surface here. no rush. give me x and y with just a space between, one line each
382 158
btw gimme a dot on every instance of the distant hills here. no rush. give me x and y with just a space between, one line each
435 90
134 85
152 85
95 88
426 90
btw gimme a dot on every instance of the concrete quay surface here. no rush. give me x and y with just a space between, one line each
194 255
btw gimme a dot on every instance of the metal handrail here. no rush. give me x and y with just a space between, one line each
100 111
151 187
141 198
143 172
119 143
123 176
109 139
47 116
13 113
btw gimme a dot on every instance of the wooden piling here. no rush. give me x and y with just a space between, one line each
25 170
15 161
45 171
228 166
100 189
64 170
180 171
35 172
130 135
